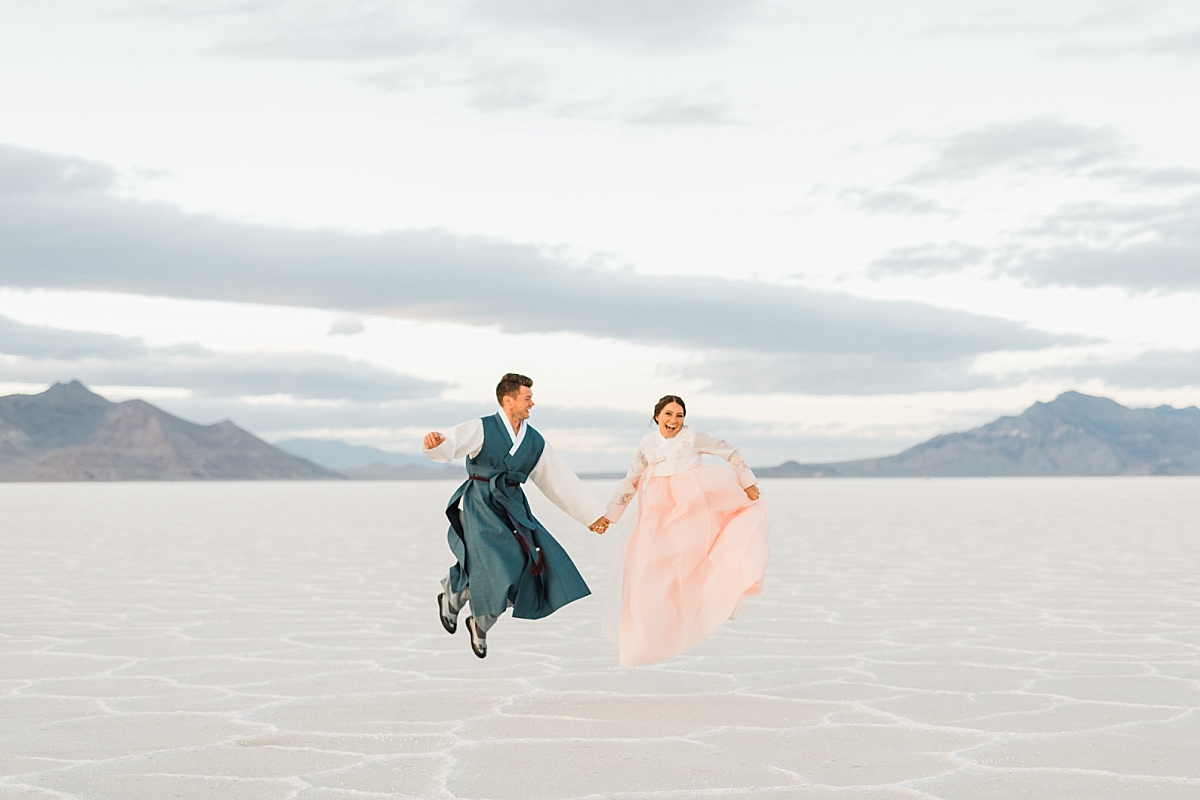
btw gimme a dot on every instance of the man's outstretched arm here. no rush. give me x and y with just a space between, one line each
565 490
461 440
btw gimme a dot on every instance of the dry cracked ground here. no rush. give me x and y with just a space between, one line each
959 639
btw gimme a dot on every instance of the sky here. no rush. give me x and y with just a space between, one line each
835 229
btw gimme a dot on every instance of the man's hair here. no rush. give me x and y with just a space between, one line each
510 385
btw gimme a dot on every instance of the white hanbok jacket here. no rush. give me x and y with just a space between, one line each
658 456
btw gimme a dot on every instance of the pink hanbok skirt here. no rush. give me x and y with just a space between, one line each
699 548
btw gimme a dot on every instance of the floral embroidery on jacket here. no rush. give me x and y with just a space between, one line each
735 460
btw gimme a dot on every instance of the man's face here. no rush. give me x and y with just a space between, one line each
517 406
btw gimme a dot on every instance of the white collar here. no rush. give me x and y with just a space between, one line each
663 441
518 438
663 445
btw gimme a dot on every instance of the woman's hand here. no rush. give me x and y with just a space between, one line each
600 525
433 439
752 492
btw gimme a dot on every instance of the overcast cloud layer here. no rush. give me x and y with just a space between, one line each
1140 245
822 223
49 355
130 246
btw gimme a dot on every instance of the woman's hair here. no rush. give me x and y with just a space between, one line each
668 398
511 384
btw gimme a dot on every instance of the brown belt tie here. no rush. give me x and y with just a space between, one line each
489 480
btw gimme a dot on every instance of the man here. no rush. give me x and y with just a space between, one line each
506 558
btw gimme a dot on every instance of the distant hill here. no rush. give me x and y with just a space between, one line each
1074 434
68 433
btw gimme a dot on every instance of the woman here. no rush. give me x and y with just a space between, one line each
700 544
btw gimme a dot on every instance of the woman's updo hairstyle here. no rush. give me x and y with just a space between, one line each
662 403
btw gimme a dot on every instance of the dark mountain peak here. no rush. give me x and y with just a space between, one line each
1088 411
1073 434
69 432
72 392
1190 412
1071 396
1078 401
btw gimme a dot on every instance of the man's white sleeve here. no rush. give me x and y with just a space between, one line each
461 440
563 487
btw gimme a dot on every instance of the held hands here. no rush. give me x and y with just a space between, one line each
752 492
433 439
600 525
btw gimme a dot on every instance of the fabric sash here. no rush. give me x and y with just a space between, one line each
509 495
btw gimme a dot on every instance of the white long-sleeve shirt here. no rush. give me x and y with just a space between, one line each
670 457
551 474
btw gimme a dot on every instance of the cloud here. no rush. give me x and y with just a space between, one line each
466 47
49 354
30 175
1147 247
894 201
155 249
836 374
1150 177
1143 247
640 24
678 113
30 341
373 29
1154 369
508 88
1022 146
312 30
1182 44
346 326
927 260
334 46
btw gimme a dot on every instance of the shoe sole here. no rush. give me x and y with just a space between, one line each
482 653
450 626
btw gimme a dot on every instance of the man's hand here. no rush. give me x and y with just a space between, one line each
600 525
752 492
433 439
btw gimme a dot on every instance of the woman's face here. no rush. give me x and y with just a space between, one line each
670 420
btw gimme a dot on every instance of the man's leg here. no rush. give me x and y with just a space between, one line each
484 622
457 601
453 602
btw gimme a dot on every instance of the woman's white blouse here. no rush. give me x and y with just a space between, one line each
657 457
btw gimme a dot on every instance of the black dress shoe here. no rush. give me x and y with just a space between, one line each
449 623
478 640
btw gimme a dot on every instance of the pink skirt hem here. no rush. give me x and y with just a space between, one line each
699 549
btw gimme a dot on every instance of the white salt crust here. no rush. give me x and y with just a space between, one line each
959 639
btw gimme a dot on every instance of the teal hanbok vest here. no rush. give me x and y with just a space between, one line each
504 554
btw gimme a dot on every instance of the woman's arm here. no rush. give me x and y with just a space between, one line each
628 486
722 449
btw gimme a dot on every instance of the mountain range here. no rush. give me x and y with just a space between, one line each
69 433
1074 434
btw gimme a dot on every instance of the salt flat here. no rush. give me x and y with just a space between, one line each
969 639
